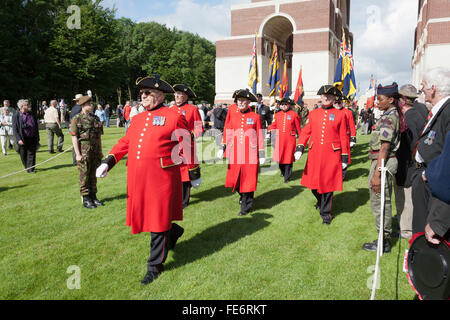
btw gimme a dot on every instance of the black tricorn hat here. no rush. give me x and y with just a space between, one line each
429 268
288 101
245 93
329 89
154 82
184 88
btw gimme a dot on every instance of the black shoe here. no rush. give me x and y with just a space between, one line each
149 277
87 203
51 152
241 214
97 202
60 150
175 233
373 246
152 275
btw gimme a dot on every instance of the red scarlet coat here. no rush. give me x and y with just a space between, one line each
195 126
244 138
326 131
287 125
351 129
154 197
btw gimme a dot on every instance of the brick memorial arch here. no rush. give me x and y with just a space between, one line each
307 33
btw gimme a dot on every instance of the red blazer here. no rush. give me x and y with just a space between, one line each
244 138
326 131
287 126
351 129
195 126
154 197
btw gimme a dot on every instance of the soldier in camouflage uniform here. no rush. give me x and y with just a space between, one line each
384 142
86 130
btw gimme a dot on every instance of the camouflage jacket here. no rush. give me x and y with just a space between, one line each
386 129
88 129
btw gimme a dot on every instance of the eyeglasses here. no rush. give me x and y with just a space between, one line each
146 92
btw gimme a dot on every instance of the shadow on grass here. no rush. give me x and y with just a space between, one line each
216 238
349 201
353 174
210 194
274 197
10 188
61 166
118 197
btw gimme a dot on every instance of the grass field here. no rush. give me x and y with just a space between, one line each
281 251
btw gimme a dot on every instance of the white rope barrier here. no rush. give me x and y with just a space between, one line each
39 164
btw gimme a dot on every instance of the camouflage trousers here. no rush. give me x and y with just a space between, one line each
87 167
375 199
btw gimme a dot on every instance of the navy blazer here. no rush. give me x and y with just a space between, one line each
438 173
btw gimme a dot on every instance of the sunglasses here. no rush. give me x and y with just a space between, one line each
146 92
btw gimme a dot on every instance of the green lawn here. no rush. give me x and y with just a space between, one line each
280 251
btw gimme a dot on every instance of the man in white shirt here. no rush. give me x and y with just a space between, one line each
53 126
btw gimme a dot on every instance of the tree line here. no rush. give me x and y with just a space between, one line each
43 56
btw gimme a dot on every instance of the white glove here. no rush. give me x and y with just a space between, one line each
102 171
352 144
196 183
262 161
267 135
220 154
344 166
298 155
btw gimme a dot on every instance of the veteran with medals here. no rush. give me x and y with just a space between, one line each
190 171
287 128
154 197
329 147
244 148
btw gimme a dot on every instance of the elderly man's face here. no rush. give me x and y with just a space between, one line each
6 104
429 92
180 97
328 99
151 98
243 104
285 106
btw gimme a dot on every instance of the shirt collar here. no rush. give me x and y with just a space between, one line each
439 105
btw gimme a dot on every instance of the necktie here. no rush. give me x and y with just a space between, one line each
430 115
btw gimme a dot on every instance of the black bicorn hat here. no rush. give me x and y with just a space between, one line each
288 101
246 94
391 90
154 82
429 268
329 89
185 89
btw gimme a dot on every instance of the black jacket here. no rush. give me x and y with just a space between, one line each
265 114
18 126
220 116
431 142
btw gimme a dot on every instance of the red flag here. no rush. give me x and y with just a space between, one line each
284 87
298 98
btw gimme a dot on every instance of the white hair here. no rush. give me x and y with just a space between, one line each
439 78
21 102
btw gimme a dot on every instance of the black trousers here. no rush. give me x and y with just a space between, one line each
246 200
421 201
186 193
286 171
27 154
324 202
159 247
